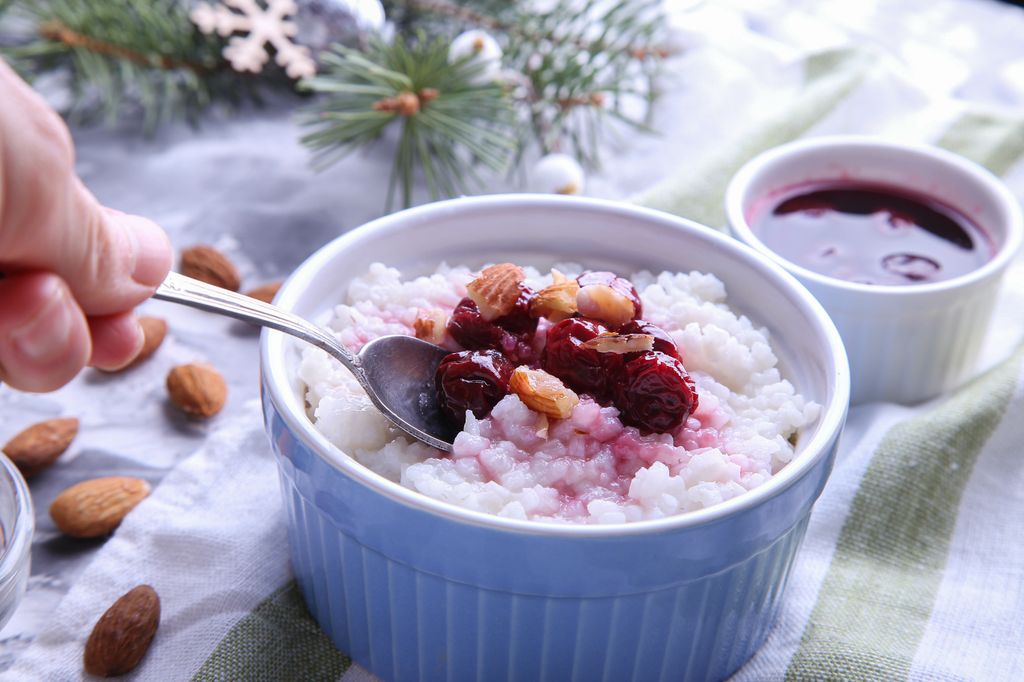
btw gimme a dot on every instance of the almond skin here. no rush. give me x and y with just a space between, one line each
543 392
197 389
154 329
39 446
123 633
265 292
209 265
96 507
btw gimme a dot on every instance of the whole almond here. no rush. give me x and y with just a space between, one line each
123 633
154 330
264 292
197 389
206 263
96 507
39 446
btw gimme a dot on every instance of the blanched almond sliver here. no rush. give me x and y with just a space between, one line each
601 302
620 343
556 302
496 290
543 392
542 426
430 325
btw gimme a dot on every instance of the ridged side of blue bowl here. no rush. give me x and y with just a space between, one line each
412 595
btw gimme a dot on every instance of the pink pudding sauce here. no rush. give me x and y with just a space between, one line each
592 455
871 234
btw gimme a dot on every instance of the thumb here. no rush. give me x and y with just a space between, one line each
50 222
115 261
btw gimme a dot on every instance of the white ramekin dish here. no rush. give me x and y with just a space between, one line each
414 588
908 343
17 523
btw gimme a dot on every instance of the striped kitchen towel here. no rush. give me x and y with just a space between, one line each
912 567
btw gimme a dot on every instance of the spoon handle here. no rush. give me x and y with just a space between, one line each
178 288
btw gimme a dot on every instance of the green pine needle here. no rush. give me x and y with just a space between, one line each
448 125
581 64
124 57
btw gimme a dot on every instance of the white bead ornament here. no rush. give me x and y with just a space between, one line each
557 174
480 47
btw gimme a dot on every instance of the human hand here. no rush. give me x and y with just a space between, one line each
71 270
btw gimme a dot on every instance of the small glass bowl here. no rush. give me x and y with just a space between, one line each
17 524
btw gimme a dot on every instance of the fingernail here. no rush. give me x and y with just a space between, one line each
152 252
47 335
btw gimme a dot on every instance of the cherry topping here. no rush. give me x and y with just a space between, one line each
584 370
511 334
663 343
619 284
519 320
470 330
654 393
472 380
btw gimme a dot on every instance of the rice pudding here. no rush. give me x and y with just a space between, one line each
562 433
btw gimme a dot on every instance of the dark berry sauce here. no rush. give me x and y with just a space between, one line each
871 235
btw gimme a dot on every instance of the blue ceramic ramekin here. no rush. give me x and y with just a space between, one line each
413 588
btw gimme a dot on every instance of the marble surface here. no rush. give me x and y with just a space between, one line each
244 184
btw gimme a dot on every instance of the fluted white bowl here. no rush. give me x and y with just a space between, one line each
905 344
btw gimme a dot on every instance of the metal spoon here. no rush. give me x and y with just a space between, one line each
397 372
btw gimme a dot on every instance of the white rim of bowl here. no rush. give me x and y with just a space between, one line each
734 199
278 382
18 543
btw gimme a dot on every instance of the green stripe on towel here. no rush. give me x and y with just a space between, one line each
994 140
877 598
879 593
698 193
279 641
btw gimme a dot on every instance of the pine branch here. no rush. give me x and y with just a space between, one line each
580 65
56 32
129 57
448 123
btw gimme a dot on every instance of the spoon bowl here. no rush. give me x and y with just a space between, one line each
397 372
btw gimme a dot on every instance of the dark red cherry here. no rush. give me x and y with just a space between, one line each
619 284
654 393
511 334
519 321
663 343
584 370
472 380
470 330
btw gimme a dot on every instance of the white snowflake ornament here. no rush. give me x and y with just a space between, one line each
262 26
557 174
481 48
